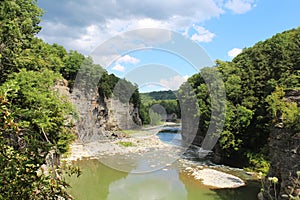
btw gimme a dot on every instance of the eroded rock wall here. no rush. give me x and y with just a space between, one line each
284 147
99 116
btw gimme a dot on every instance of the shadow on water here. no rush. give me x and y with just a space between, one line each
197 191
248 192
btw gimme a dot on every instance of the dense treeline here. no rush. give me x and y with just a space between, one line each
166 99
148 110
255 82
160 95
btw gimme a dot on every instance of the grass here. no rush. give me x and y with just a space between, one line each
130 132
126 144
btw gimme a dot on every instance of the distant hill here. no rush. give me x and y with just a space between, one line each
159 95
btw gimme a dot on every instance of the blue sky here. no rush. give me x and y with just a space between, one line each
222 27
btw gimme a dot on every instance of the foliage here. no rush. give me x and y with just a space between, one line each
40 55
19 23
283 111
171 106
159 95
155 118
258 162
144 114
88 76
166 99
110 85
32 125
72 64
250 80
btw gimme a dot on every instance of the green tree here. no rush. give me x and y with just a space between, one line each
250 80
32 127
72 63
40 55
283 111
155 118
19 21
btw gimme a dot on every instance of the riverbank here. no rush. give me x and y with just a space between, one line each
148 146
121 146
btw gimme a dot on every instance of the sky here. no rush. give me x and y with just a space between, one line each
222 28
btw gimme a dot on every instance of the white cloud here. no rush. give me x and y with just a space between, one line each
174 82
240 6
149 87
167 183
84 24
128 59
88 23
124 59
87 40
118 67
234 52
202 35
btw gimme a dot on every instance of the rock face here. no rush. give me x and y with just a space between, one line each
284 149
98 116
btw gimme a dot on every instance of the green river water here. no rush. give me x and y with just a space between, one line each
100 182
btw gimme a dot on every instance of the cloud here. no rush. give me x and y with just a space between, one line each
234 52
240 6
202 35
118 67
128 59
84 24
174 82
82 12
150 87
167 185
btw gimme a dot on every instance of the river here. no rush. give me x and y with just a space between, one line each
102 182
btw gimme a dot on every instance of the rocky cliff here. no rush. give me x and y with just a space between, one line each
284 147
98 117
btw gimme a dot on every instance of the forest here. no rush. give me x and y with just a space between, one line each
255 83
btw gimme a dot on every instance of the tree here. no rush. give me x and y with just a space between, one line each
19 21
72 64
32 128
251 80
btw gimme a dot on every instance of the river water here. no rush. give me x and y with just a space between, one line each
101 182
